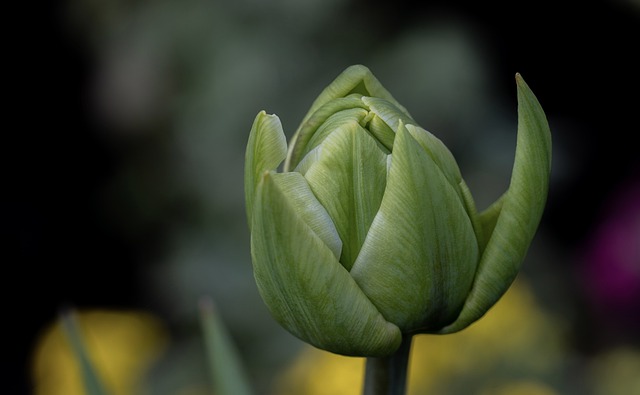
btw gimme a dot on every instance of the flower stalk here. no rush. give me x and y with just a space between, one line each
388 375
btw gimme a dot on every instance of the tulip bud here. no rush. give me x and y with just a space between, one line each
369 233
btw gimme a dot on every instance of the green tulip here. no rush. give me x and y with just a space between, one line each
369 233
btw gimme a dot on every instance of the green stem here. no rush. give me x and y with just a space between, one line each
388 375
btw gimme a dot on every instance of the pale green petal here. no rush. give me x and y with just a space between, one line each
419 258
439 153
382 132
309 159
303 202
516 215
266 149
299 144
333 123
487 219
472 212
385 120
349 180
447 163
355 79
305 287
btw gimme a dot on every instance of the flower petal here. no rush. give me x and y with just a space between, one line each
304 285
511 223
439 152
305 204
356 80
333 123
349 180
299 146
266 149
419 258
447 163
390 114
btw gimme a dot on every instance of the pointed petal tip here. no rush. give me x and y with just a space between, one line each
520 82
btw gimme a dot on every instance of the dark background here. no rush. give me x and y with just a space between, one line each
580 60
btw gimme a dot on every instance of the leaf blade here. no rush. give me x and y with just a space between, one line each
225 369
91 380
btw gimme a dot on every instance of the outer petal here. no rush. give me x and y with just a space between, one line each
266 149
516 215
305 204
440 154
306 288
446 162
349 180
419 258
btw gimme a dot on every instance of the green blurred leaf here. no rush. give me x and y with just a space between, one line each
90 378
225 369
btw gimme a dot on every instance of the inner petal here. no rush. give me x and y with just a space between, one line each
349 179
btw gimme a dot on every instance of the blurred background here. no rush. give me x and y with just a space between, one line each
124 144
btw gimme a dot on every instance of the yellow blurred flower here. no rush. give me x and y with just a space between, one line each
515 339
616 372
317 372
519 388
121 345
